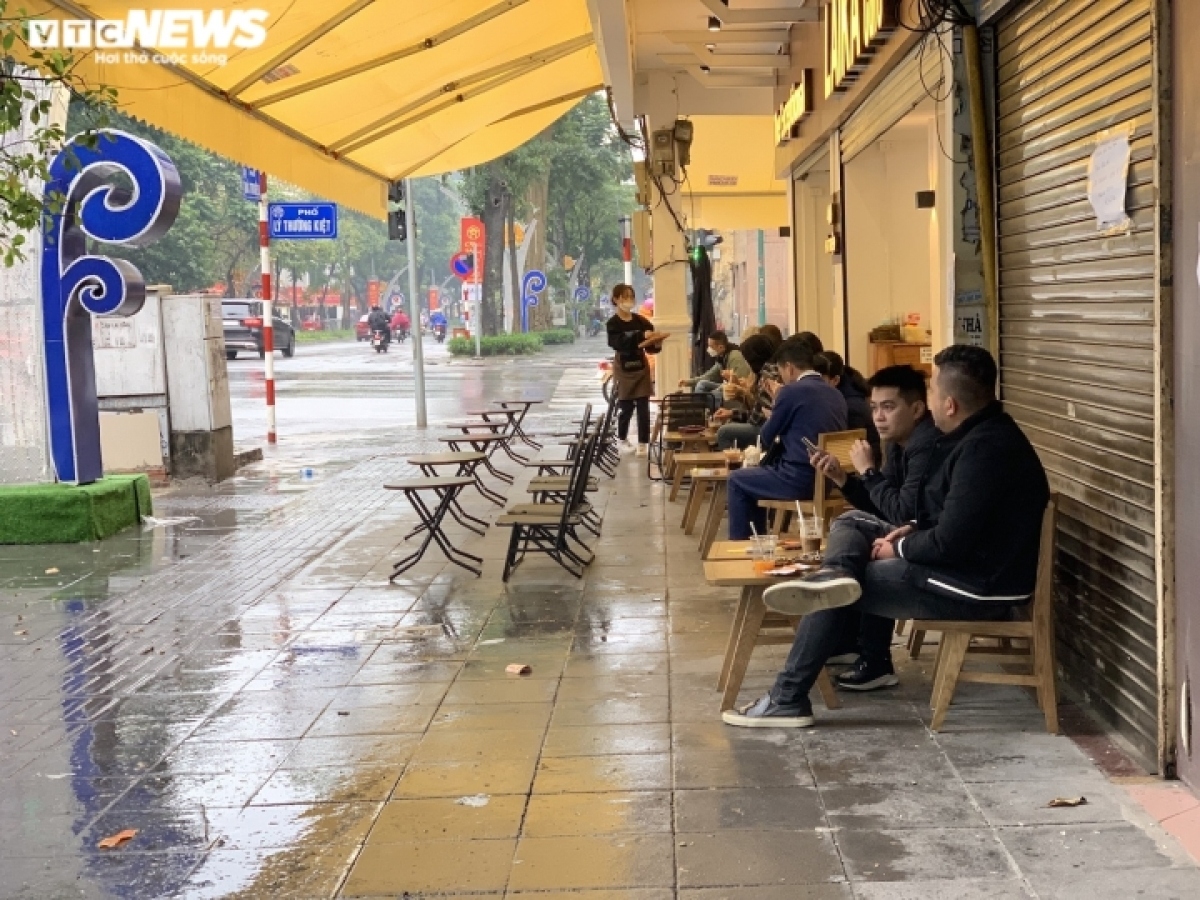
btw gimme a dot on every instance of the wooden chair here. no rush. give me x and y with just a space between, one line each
825 504
1038 630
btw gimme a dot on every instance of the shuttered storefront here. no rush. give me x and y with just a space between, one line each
1077 326
917 76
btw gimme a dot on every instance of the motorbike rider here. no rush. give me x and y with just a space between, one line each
377 320
400 322
437 321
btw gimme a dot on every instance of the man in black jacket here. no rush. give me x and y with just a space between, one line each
972 552
882 501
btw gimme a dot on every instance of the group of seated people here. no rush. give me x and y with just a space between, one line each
947 528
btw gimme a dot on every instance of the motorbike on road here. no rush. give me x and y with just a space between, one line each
439 331
380 341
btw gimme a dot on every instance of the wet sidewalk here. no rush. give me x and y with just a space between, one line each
276 720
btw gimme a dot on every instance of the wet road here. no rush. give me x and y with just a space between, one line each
275 720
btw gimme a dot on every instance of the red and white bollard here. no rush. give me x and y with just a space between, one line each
268 306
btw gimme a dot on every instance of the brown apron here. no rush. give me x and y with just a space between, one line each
632 385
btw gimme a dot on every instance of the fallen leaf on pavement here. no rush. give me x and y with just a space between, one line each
518 669
52 571
1067 801
117 839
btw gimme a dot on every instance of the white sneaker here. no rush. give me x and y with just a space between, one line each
642 449
625 446
824 589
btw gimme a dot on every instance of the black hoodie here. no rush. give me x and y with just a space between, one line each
979 513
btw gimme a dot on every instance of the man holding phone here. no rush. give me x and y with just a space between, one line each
804 407
971 554
882 501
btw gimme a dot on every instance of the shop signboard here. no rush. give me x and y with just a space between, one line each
798 105
854 30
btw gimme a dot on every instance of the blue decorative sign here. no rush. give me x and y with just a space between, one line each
77 286
583 293
251 187
532 284
303 221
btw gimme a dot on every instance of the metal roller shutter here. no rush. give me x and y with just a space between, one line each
1077 325
916 76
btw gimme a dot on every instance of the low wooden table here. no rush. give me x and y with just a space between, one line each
685 462
446 491
688 443
467 463
481 442
731 566
522 409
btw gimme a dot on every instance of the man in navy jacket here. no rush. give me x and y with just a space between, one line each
804 407
971 553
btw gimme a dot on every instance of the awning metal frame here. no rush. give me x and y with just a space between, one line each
402 118
428 43
296 46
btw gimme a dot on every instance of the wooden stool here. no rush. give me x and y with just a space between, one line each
702 481
716 514
685 462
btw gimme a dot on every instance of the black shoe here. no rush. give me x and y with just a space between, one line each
867 677
766 713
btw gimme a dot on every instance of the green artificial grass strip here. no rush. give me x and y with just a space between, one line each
69 514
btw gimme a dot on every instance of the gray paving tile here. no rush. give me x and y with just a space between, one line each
1056 855
922 854
752 858
927 804
949 889
763 809
1025 802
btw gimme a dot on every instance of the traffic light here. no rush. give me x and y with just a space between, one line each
397 227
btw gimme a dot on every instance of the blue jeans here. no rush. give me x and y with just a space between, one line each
748 486
737 434
887 595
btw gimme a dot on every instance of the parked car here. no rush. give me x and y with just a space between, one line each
362 330
312 323
244 329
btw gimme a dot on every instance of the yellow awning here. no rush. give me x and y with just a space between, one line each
346 95
731 178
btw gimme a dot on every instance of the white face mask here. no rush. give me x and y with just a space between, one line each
626 305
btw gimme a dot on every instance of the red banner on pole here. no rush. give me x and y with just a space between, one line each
374 288
473 238
434 299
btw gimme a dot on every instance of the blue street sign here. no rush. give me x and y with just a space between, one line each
303 221
250 184
583 293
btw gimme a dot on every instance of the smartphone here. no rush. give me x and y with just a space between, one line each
812 448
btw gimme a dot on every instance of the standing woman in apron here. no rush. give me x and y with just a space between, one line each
632 336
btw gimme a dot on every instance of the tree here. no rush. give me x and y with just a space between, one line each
30 136
585 170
